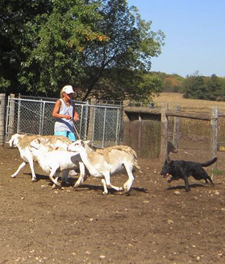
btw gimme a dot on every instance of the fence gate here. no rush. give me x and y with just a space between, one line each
100 123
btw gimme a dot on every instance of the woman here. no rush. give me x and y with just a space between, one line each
65 113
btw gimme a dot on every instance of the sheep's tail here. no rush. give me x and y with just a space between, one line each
126 149
136 165
132 152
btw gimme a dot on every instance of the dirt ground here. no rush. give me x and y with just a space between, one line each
157 222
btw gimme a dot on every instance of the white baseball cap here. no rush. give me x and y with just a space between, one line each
68 89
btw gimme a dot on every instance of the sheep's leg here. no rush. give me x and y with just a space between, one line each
31 163
82 176
104 186
127 185
56 178
19 168
51 176
108 183
79 181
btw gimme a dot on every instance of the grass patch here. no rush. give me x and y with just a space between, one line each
217 172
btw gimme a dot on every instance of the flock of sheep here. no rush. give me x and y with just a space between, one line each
57 154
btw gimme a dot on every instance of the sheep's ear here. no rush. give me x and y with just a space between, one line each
88 142
82 143
36 141
34 144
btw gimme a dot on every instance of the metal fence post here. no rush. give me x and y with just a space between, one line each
103 130
19 115
42 117
81 119
93 124
86 120
117 126
11 114
91 119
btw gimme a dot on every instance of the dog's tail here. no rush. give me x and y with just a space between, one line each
208 163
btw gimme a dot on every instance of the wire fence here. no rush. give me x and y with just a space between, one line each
102 124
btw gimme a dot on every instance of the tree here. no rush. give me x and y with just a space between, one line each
215 90
207 88
151 84
194 87
124 57
102 47
58 40
13 18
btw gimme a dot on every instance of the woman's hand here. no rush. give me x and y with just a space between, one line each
76 117
68 117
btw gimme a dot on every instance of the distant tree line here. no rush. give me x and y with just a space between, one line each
194 86
206 88
102 47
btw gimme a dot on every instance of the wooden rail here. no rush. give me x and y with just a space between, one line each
174 113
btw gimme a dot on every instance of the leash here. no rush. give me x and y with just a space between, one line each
76 131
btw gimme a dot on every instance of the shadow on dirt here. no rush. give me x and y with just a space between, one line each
194 185
71 181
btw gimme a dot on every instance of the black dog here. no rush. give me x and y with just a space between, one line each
180 169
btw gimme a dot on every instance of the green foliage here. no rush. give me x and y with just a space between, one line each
13 34
207 88
195 87
101 47
120 62
54 60
215 89
151 84
170 82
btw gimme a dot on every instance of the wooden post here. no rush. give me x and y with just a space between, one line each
176 128
214 133
126 125
139 136
126 103
164 133
2 118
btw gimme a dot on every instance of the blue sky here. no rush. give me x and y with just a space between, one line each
195 35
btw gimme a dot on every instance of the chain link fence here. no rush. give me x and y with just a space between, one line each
101 123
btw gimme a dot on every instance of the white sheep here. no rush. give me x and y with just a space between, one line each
22 142
106 162
54 160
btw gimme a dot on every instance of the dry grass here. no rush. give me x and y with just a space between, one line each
174 99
